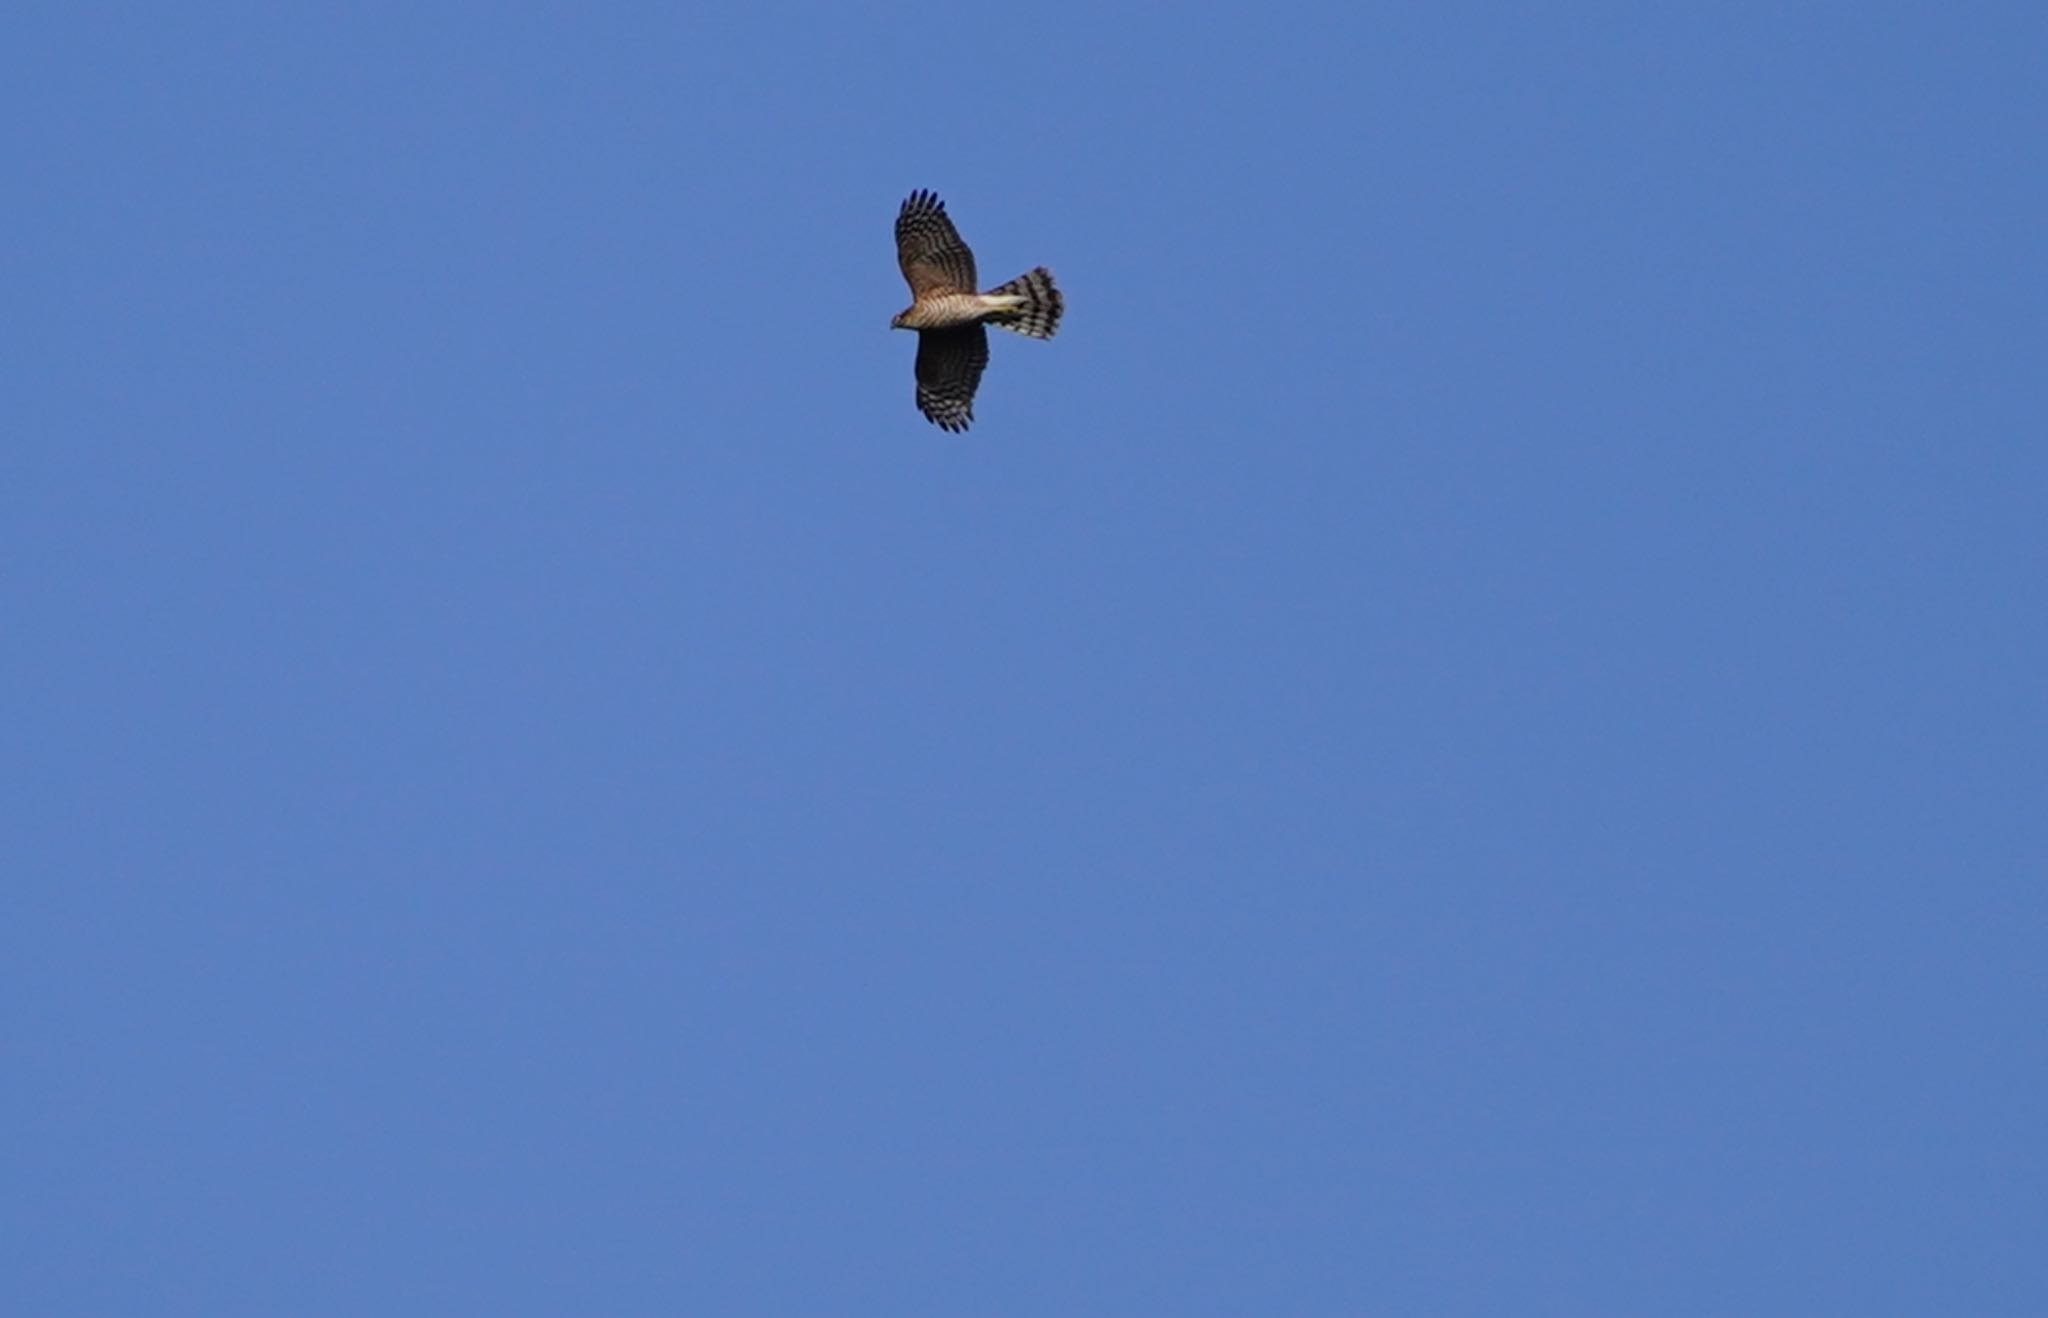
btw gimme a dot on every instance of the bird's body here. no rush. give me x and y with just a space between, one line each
948 310
948 314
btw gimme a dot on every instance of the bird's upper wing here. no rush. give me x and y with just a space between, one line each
949 367
929 249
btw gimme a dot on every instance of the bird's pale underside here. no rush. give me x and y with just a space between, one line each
949 315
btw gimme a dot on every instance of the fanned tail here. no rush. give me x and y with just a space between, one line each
1039 317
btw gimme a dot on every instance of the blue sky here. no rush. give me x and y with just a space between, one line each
1468 739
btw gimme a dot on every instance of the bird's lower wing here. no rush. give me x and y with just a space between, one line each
949 367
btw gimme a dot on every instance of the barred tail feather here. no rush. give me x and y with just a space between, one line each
1039 317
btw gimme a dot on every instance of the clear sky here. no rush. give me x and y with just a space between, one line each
1471 738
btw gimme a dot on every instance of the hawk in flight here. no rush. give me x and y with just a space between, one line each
948 315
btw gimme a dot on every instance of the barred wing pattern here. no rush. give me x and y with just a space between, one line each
929 248
950 316
949 367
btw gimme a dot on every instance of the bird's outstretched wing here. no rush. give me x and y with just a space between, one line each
949 367
929 249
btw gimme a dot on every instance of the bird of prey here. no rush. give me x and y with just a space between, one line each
948 314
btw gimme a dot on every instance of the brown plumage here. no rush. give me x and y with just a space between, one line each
948 314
